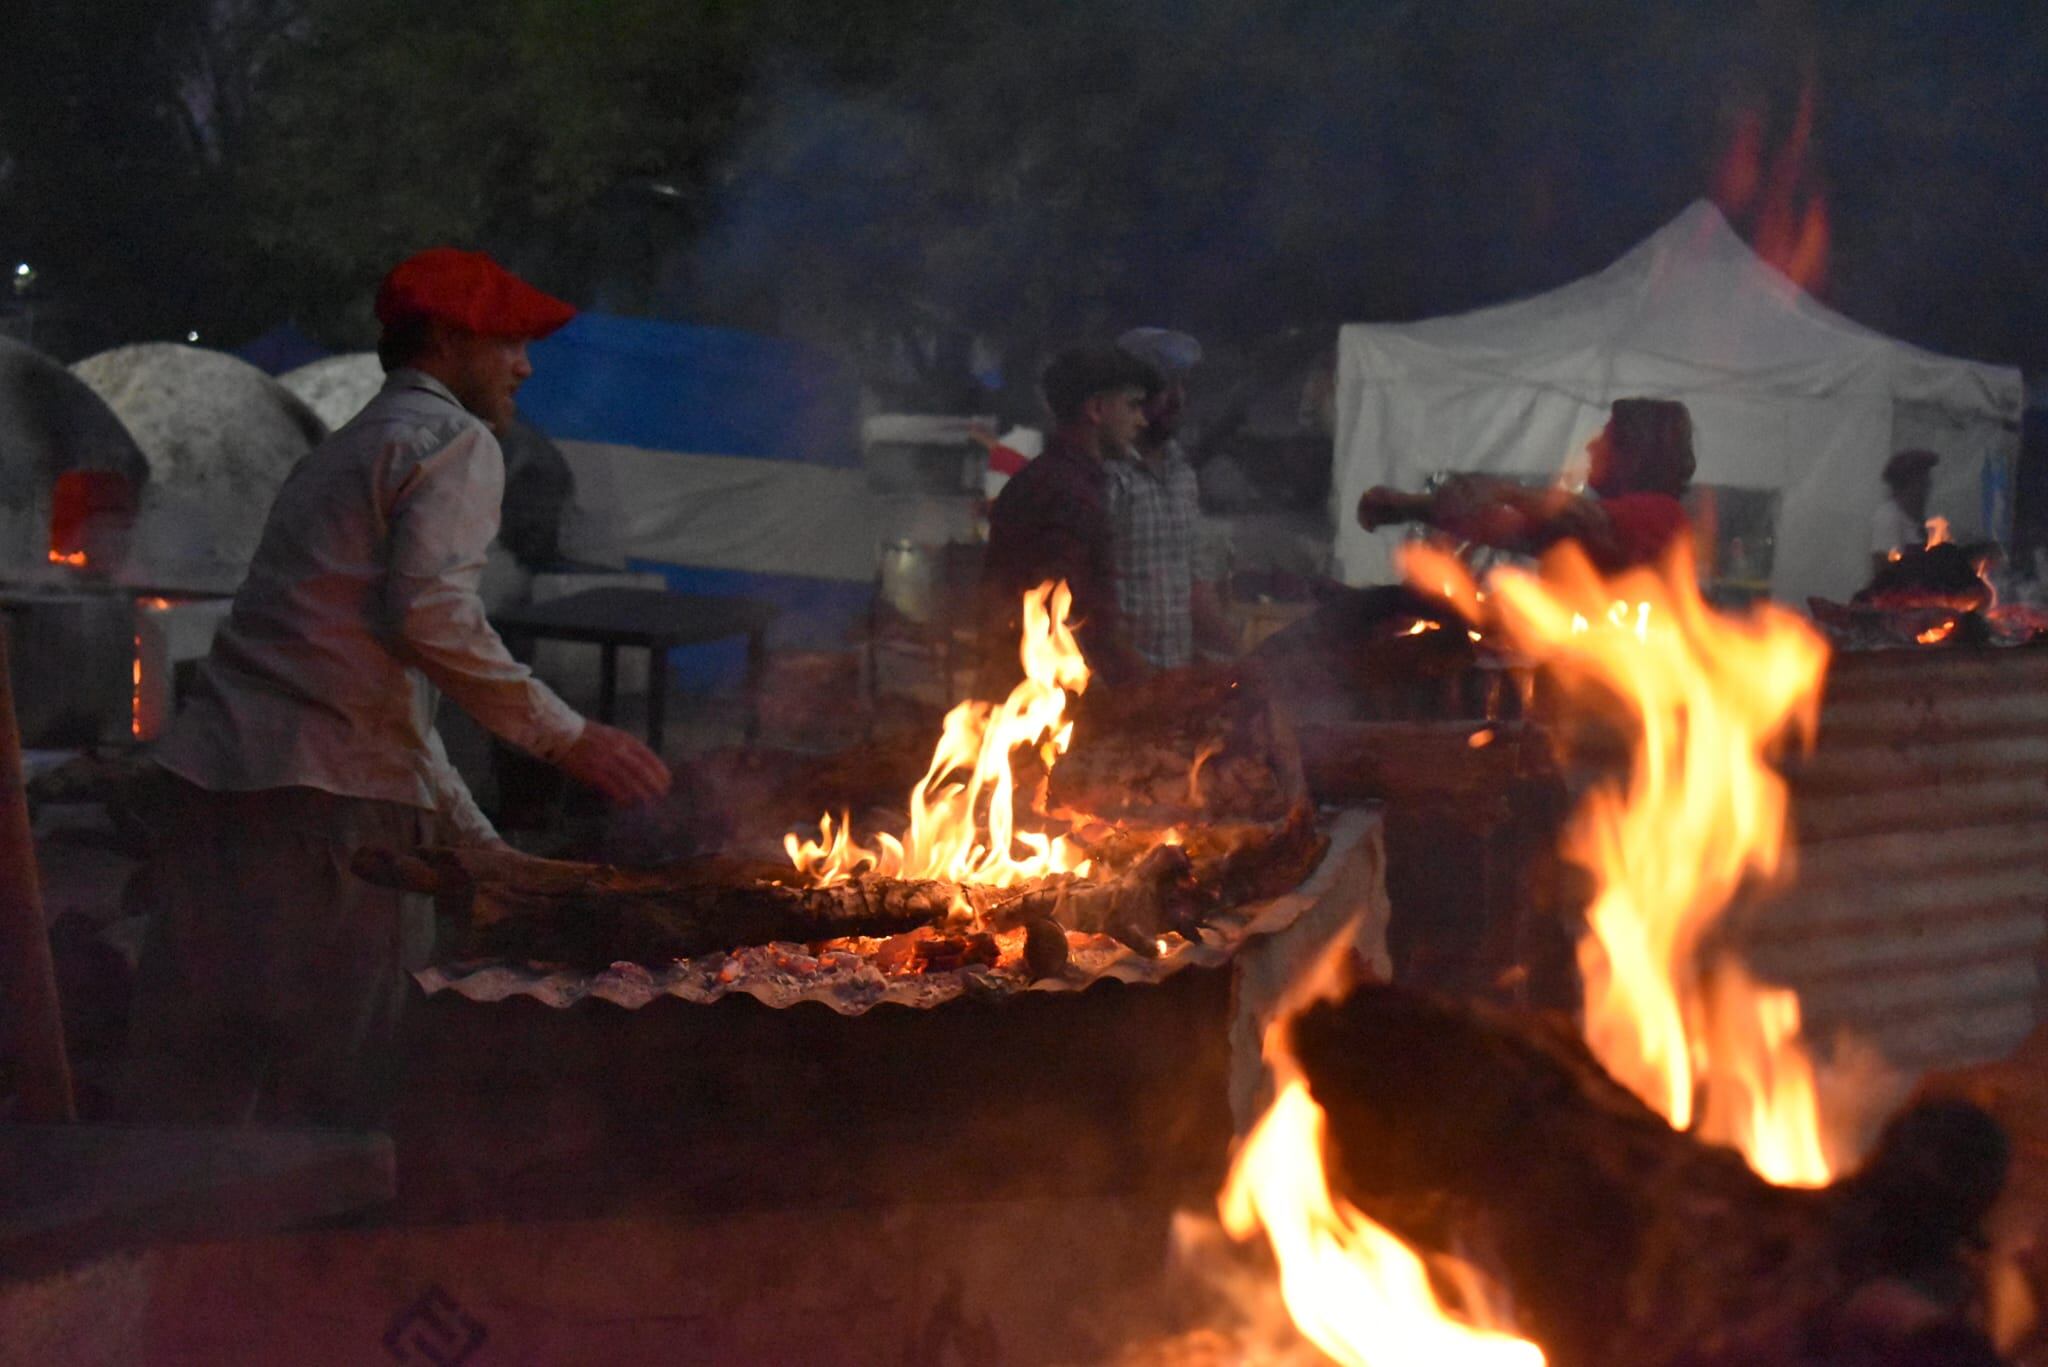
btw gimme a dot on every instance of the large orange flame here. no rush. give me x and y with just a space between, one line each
1350 1286
1709 699
965 831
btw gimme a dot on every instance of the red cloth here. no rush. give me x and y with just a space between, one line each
1645 526
1005 460
469 290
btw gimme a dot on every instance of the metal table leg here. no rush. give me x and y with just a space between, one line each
607 681
657 693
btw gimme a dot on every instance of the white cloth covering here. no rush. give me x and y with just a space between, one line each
1786 395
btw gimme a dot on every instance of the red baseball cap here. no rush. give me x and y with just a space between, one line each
470 291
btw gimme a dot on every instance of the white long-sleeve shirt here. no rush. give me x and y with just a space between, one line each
360 603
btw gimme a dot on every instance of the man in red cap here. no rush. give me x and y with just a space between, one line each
272 978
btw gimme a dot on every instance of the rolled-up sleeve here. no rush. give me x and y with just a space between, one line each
443 517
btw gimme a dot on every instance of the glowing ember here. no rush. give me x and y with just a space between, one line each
1936 635
964 831
75 559
135 691
1709 698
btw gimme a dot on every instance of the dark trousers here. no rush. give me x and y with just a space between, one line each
272 979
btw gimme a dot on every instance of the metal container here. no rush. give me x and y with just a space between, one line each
1916 914
72 653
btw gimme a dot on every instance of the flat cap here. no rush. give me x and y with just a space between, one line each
1170 352
470 291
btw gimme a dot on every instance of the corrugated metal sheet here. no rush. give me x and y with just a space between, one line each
1916 917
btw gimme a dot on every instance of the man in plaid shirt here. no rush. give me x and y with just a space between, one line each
1153 502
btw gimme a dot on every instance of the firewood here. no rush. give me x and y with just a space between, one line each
1622 1240
591 915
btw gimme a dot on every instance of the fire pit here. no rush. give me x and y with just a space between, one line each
1162 843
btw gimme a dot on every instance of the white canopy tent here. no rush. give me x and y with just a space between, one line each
1786 396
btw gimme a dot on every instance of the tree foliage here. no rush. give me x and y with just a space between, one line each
945 189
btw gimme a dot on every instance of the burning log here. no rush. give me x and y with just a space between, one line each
592 915
1622 1240
595 914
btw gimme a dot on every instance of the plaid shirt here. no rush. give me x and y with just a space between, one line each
1154 518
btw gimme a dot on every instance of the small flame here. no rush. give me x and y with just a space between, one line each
75 559
1937 532
964 832
1420 626
1210 749
1936 635
135 690
1710 698
1479 740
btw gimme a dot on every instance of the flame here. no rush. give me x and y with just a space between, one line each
964 832
1422 625
1709 698
1778 195
135 690
1350 1285
1208 751
1352 1288
1937 634
75 559
1937 532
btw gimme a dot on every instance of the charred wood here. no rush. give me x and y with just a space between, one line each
1623 1241
591 915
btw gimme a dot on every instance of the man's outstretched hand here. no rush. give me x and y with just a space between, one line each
617 765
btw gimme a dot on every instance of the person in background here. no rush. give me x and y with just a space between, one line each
272 978
1901 520
1052 520
1169 606
1639 465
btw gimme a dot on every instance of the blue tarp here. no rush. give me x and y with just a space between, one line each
697 392
282 348
705 391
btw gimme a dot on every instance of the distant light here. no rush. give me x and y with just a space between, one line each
191 336
24 269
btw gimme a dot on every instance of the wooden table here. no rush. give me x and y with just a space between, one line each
654 620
